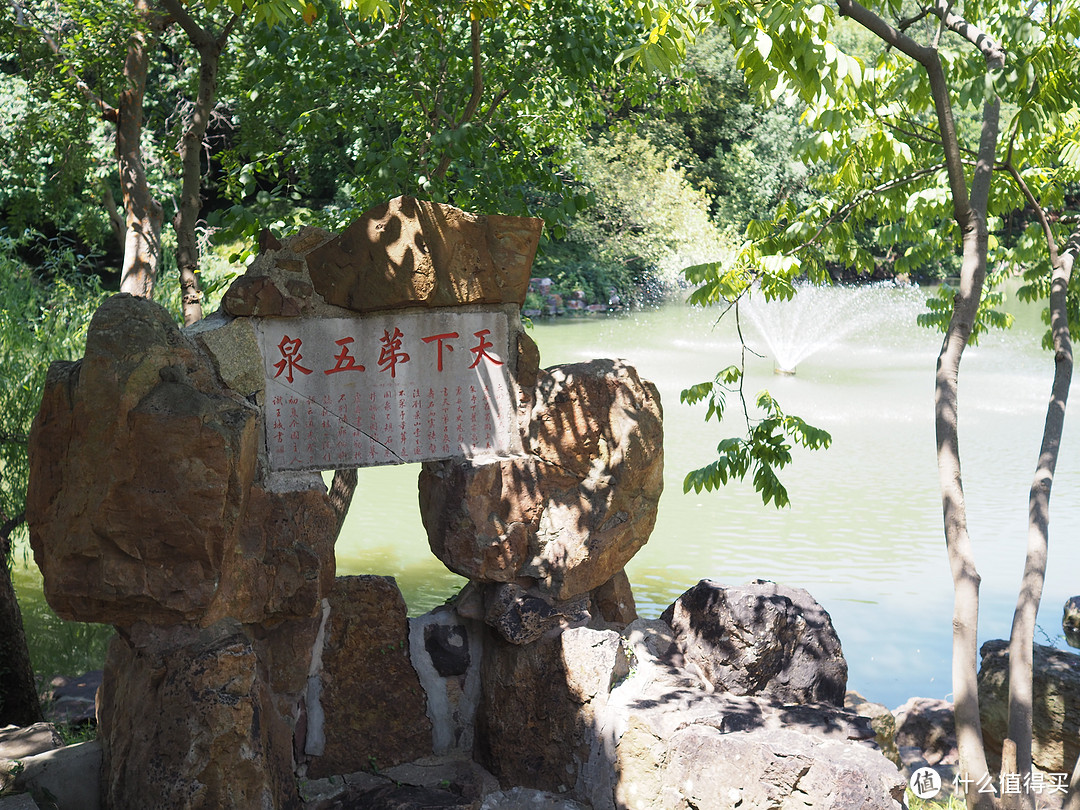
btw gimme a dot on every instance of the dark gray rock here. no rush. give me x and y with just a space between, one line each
448 648
1056 720
926 727
73 700
522 616
760 639
1070 621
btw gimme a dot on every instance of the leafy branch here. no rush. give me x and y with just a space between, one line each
764 449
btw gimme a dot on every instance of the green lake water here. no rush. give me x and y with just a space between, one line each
863 532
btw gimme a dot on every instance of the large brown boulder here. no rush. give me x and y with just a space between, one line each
371 698
139 469
575 511
186 720
410 252
760 639
143 504
1056 719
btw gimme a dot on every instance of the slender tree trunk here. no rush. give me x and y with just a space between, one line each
971 217
18 692
1022 637
965 576
142 242
190 148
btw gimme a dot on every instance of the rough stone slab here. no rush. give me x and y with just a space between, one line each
16 743
69 776
460 776
371 697
520 798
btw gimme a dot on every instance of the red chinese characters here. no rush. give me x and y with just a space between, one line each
393 388
391 353
345 361
481 349
290 358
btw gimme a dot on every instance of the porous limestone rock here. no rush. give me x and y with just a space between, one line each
372 701
760 639
574 512
540 705
186 720
1056 719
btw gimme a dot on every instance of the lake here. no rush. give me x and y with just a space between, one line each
863 532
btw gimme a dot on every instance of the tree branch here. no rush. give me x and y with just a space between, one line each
387 28
108 112
475 96
1040 214
991 49
865 194
477 75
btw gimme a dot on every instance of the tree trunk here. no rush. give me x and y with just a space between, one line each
18 692
1022 637
190 148
142 242
965 577
970 215
341 494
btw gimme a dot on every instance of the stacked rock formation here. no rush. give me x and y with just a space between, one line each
152 508
241 662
